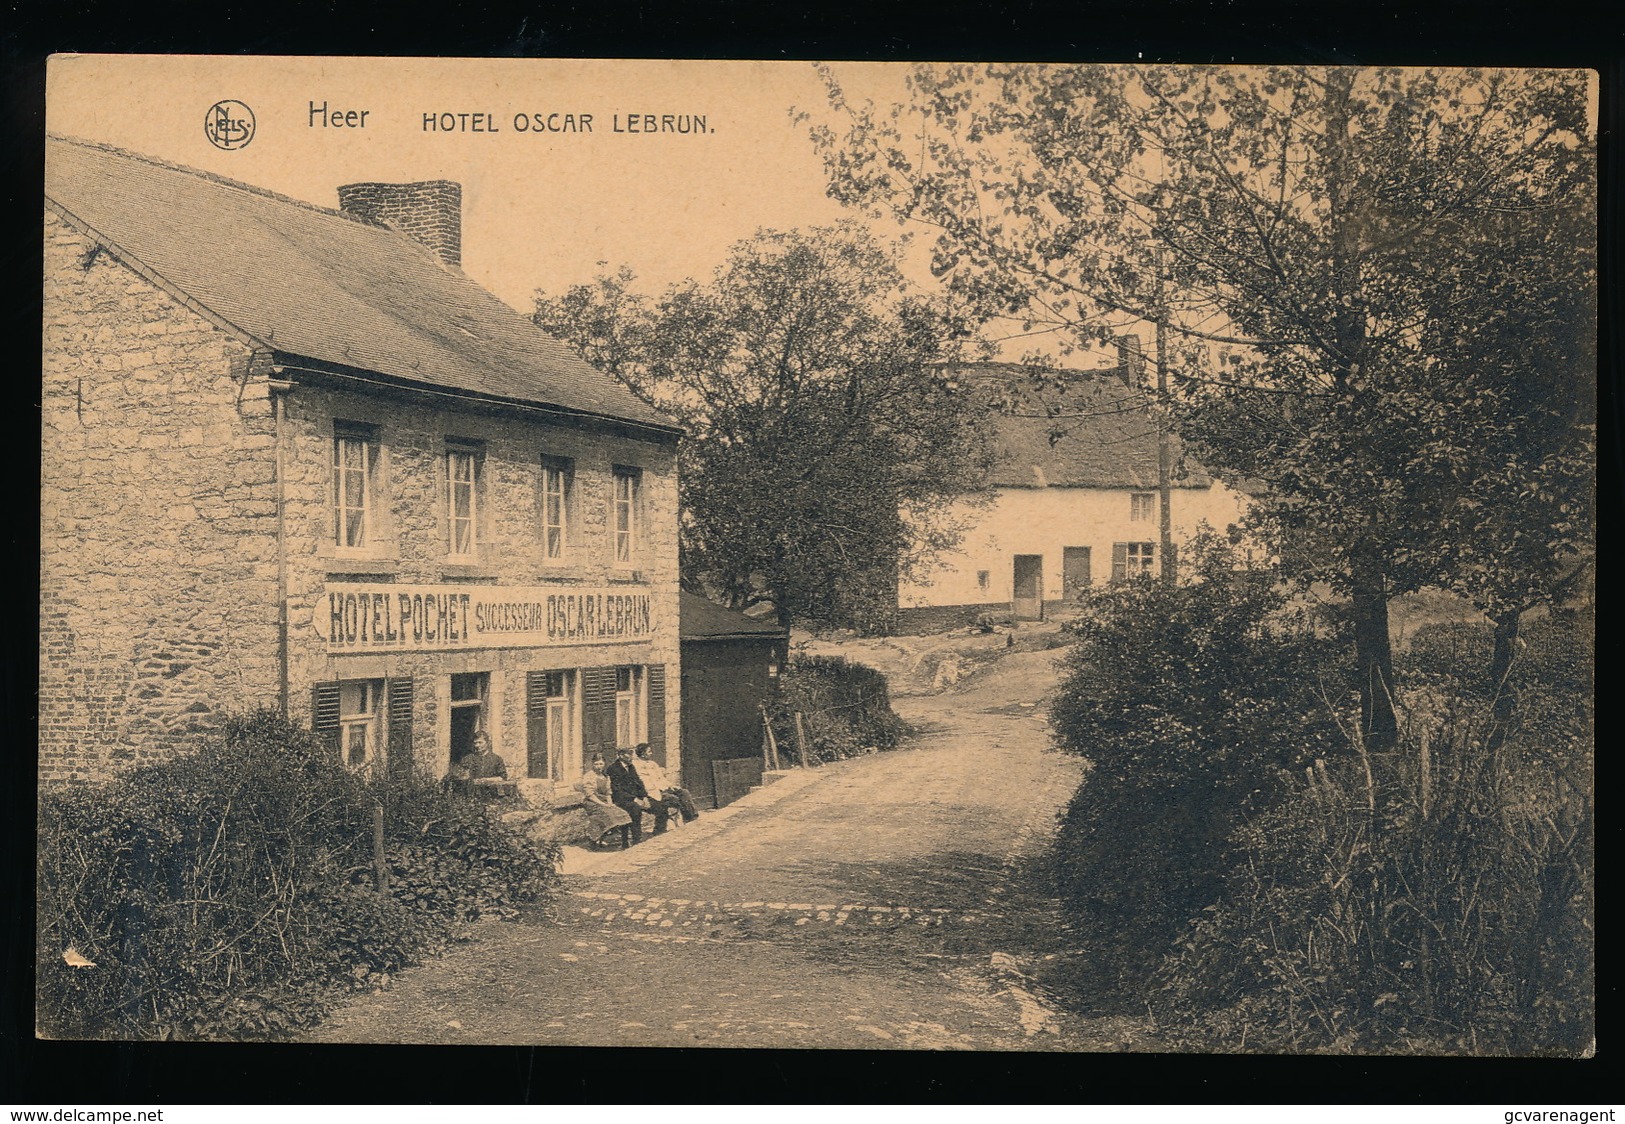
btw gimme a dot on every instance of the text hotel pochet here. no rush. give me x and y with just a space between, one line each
374 618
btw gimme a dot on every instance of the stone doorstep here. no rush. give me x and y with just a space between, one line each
581 860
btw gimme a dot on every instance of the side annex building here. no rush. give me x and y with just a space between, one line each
292 457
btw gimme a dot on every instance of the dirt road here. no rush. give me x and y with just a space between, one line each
881 902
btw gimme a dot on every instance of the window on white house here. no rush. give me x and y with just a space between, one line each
625 521
463 495
631 706
557 478
1131 559
983 578
355 453
358 721
1142 506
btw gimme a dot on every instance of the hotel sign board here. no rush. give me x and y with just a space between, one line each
355 618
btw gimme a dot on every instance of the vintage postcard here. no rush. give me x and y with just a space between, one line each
840 556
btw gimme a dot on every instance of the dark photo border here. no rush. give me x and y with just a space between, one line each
52 1074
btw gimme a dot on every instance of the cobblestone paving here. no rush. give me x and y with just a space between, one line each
680 912
885 902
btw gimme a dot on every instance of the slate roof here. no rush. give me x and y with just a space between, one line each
699 619
1104 437
311 282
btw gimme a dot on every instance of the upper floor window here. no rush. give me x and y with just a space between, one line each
1141 506
355 455
557 479
625 520
463 493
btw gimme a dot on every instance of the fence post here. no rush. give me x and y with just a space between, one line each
801 740
770 744
380 865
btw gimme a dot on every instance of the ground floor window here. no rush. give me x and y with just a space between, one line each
1131 559
622 707
553 720
469 693
631 707
359 721
365 722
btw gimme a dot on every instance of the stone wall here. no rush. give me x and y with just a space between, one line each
159 583
923 620
157 521
413 537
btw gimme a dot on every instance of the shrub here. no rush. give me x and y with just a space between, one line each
1550 680
1187 702
845 707
452 858
1554 653
1440 899
1236 862
227 893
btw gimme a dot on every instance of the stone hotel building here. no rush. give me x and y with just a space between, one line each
293 458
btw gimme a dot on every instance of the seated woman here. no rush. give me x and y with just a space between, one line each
602 816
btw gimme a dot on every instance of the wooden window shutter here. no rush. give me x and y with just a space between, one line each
324 715
400 694
657 711
1120 562
536 724
598 710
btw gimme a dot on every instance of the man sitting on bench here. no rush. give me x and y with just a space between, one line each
627 792
656 780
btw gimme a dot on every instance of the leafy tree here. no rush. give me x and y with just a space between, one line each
1377 284
824 439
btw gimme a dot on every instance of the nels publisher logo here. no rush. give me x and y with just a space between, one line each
229 125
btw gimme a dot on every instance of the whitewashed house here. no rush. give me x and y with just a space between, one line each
1074 500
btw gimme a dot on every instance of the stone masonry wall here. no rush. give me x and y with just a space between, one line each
411 538
157 522
158 562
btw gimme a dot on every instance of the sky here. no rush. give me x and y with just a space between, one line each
540 209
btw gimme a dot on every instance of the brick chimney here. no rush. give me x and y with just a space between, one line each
1130 360
431 212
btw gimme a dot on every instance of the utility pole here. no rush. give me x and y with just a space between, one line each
1165 517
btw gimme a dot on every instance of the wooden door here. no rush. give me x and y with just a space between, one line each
1028 583
1074 571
